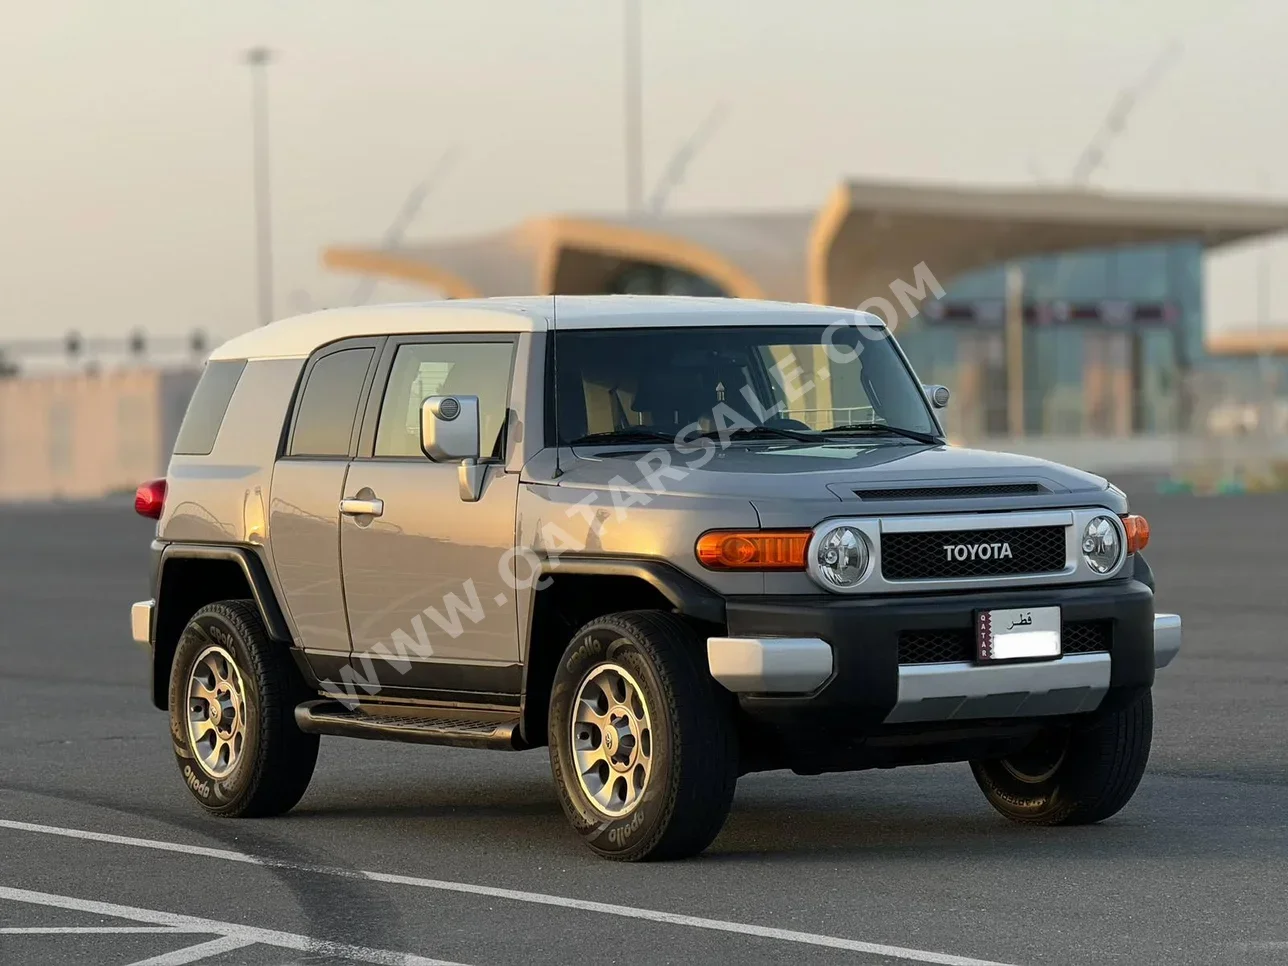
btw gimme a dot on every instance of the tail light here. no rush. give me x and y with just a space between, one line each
149 499
1137 528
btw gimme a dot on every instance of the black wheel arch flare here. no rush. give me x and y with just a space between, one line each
170 618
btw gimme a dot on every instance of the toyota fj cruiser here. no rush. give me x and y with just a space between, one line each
675 540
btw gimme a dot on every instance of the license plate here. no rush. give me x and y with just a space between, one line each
1016 635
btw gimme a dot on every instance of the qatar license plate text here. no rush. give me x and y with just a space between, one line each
1028 633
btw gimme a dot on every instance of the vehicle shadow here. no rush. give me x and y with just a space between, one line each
936 814
1168 818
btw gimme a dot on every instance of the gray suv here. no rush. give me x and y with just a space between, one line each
674 540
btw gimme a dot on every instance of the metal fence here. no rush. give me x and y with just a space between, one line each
1236 431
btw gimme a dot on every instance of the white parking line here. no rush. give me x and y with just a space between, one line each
94 930
230 935
538 898
193 954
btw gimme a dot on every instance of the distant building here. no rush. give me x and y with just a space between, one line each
80 435
1113 284
1112 340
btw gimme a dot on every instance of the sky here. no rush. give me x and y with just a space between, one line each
125 151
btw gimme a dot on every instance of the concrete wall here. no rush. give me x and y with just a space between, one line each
85 435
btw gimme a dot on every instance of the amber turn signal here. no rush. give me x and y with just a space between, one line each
753 549
1137 528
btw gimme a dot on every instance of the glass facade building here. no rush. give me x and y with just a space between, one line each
1108 339
1111 341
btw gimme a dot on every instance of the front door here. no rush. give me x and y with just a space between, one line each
430 612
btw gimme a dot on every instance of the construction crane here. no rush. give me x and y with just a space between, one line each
673 173
1113 125
407 213
1115 121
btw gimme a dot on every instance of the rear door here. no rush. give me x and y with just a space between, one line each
304 512
430 612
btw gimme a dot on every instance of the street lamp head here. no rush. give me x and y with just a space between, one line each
258 56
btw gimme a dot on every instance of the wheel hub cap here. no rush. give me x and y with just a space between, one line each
612 737
216 712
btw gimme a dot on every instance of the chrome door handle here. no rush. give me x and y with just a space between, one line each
362 508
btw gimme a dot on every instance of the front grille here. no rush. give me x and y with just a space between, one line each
941 492
936 647
1085 637
958 644
925 555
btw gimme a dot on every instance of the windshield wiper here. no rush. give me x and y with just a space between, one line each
623 435
883 428
762 432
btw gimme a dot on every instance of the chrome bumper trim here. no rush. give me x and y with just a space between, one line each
1167 638
769 665
962 690
141 621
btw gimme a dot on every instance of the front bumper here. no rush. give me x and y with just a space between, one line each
962 691
141 621
789 657
1167 638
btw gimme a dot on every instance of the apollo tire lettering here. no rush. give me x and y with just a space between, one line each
200 787
221 636
621 834
589 647
977 551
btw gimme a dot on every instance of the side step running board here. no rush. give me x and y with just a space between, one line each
404 723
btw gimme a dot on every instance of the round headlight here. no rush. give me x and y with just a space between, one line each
1101 545
842 556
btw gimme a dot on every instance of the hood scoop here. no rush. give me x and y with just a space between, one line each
958 491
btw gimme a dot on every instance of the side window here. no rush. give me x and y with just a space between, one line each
329 404
430 369
207 407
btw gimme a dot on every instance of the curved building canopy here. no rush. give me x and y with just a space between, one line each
865 236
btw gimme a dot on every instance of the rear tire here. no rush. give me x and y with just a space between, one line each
233 693
1075 774
642 741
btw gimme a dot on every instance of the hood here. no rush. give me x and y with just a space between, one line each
834 472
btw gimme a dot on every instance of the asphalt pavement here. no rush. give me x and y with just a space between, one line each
451 855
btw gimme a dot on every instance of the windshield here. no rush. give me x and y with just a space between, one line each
805 380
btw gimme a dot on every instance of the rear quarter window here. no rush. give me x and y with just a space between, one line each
206 409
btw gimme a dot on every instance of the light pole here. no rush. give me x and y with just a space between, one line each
632 87
1263 319
258 58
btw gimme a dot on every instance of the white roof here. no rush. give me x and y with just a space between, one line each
297 337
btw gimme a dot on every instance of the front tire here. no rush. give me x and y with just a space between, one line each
1075 774
233 693
642 741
